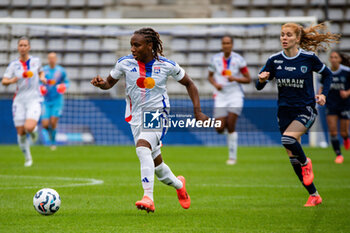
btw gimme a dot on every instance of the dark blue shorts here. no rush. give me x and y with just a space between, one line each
340 111
305 115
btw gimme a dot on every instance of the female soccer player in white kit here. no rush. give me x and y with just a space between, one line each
227 71
146 74
25 71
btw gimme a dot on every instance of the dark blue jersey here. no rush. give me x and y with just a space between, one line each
341 81
294 77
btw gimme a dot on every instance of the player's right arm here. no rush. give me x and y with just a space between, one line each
264 75
212 70
9 76
213 82
7 81
114 76
104 84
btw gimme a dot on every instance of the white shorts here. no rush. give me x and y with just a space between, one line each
21 111
152 137
225 104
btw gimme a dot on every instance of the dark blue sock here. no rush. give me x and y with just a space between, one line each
336 145
294 146
297 169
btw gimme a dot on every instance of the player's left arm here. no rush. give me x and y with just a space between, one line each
327 78
246 76
64 82
346 93
193 94
65 78
42 77
242 64
41 73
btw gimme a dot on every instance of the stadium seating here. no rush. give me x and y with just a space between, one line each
191 48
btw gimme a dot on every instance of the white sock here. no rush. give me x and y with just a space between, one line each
315 194
166 176
147 170
232 142
24 145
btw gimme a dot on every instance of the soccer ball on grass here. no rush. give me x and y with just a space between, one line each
46 201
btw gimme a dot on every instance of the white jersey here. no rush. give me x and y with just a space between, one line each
235 64
139 99
28 89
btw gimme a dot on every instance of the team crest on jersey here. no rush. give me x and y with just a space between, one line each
156 70
303 69
57 75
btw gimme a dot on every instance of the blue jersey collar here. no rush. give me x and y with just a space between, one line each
290 58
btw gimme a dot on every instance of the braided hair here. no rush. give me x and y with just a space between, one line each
152 36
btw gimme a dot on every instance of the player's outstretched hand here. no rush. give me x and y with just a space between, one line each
201 116
13 80
263 76
344 94
98 81
43 80
321 99
231 79
218 87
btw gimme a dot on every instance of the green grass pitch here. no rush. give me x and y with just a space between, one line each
259 194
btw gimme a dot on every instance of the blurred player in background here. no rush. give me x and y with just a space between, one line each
293 70
338 102
26 72
146 74
57 83
227 71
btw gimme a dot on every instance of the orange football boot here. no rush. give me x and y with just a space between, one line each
313 201
145 204
339 159
184 198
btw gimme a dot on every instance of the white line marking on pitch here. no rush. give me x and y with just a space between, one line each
88 181
248 185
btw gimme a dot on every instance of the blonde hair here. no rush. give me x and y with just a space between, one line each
311 39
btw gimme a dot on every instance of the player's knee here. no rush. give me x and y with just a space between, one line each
54 125
143 143
143 153
21 131
158 160
29 128
344 134
220 129
231 129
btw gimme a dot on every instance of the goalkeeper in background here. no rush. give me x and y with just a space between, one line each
57 83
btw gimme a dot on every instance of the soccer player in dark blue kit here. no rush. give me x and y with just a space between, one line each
338 102
293 70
